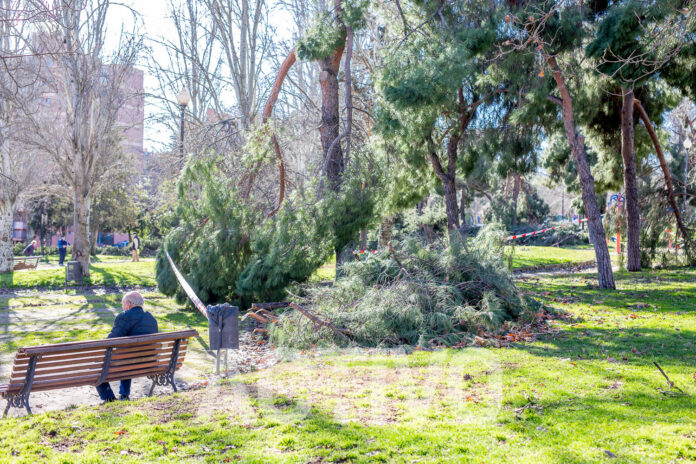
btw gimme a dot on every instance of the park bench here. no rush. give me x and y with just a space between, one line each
75 364
26 262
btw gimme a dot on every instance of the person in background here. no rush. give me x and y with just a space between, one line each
29 249
135 246
62 249
131 322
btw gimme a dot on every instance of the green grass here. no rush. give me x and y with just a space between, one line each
326 271
589 393
540 256
105 272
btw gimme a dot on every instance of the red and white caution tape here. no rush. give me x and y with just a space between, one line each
537 232
187 288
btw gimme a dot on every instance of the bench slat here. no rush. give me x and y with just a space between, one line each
109 342
99 354
86 380
53 367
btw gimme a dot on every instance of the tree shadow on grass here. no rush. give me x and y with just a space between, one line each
663 345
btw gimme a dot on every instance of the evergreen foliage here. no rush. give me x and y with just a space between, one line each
229 252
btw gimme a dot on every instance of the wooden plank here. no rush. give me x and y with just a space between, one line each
19 376
109 342
64 357
139 373
99 361
94 365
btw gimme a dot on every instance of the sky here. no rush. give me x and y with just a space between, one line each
153 21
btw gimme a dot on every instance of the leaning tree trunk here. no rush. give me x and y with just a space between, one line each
81 247
630 182
605 275
6 248
665 172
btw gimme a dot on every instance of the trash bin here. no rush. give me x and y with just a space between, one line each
73 273
223 329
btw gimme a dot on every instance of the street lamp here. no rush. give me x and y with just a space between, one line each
687 146
183 98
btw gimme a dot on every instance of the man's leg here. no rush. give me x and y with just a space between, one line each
124 389
105 392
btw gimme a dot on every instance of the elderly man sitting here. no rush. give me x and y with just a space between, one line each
132 321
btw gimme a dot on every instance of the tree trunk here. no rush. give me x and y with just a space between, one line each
515 197
363 239
93 237
329 129
451 207
605 274
385 231
448 180
80 247
630 182
6 248
665 170
462 210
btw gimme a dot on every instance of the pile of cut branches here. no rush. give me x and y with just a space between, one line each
414 294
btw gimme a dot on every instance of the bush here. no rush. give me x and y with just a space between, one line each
417 295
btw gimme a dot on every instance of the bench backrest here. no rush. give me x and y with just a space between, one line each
26 262
77 364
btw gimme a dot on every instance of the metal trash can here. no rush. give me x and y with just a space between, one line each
223 327
73 273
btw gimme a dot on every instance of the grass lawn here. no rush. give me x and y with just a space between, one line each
589 393
540 256
103 272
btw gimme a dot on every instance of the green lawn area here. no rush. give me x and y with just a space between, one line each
103 272
589 393
540 256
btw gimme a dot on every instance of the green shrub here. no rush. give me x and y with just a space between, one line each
419 295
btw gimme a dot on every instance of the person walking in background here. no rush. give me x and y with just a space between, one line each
29 249
62 250
135 246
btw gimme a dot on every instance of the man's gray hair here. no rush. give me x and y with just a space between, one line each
134 298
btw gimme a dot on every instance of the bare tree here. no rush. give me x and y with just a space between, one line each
18 84
243 33
193 62
80 128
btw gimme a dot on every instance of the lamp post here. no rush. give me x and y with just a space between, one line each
183 98
687 147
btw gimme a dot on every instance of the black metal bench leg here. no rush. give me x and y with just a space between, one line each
168 376
26 403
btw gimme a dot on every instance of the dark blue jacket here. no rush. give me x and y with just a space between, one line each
135 321
62 244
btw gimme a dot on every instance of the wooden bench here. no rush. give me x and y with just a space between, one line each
75 364
25 262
